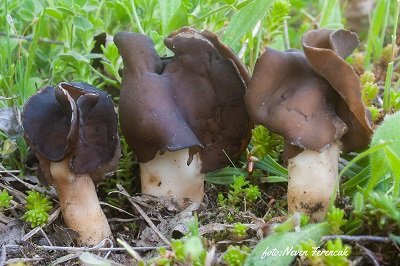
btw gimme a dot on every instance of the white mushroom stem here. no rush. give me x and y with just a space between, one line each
168 175
80 205
312 181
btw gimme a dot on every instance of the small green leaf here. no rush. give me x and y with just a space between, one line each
335 218
168 10
230 2
66 10
331 16
179 19
244 20
37 206
193 247
358 202
394 162
359 157
8 148
54 13
264 143
81 3
389 132
395 238
82 23
289 225
73 57
5 199
274 179
270 165
235 255
224 176
353 227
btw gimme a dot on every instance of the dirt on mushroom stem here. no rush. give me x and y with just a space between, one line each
313 181
170 175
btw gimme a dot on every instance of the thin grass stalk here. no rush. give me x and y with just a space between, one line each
396 186
376 26
394 35
227 6
31 57
136 17
327 10
387 106
394 161
286 40
379 46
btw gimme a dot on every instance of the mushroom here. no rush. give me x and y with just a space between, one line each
73 131
182 116
312 99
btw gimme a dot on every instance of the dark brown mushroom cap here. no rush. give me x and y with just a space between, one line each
299 96
224 50
150 120
48 117
73 120
326 51
195 101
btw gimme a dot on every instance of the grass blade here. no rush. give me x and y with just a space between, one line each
271 166
224 176
245 20
330 15
376 32
168 9
387 106
394 162
25 90
350 186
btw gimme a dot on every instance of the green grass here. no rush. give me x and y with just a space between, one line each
377 31
331 16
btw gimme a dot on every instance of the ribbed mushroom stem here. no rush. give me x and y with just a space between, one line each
312 181
168 175
80 205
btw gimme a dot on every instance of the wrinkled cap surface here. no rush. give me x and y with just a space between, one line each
193 100
75 121
311 98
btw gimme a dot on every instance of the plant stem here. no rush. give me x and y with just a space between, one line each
258 44
388 81
71 36
107 79
136 17
31 57
394 35
286 41
29 39
387 106
213 12
379 44
99 9
378 24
